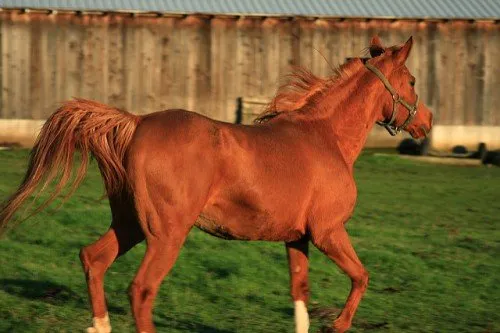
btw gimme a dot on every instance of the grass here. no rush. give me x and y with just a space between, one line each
429 236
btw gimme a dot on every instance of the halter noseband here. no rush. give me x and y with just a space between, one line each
396 99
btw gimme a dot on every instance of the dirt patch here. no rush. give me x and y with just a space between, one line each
324 313
328 314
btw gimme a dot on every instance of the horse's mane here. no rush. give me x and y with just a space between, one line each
303 89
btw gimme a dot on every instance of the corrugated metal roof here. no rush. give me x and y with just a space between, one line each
448 9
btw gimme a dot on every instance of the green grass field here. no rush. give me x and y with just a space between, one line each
429 236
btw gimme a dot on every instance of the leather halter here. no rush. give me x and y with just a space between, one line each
396 99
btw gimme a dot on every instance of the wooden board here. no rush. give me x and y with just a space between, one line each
149 63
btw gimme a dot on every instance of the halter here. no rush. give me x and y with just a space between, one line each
396 99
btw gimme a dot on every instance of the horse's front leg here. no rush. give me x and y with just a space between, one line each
337 247
298 264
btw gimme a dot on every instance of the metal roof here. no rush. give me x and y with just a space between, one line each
432 9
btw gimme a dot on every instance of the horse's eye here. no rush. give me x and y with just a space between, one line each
412 83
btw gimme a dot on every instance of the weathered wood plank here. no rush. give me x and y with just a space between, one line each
198 65
270 54
458 47
24 59
223 68
73 51
6 58
430 87
320 52
247 45
491 97
150 66
473 71
166 57
116 62
130 55
35 77
48 59
359 41
61 58
203 68
150 63
445 76
15 81
420 55
94 67
288 54
338 38
306 33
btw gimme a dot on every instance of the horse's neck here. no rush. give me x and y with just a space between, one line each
351 115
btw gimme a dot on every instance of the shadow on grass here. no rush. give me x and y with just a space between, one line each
188 325
49 292
45 291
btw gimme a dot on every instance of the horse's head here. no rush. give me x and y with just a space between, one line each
401 107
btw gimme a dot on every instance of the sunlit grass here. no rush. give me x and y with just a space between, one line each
428 235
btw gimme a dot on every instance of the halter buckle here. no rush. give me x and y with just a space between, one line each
392 130
413 110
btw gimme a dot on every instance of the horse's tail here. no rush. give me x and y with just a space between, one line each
83 125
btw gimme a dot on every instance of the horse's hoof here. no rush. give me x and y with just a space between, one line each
98 330
341 325
101 325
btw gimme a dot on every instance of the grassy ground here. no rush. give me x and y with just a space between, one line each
429 235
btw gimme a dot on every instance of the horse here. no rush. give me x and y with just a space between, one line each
288 177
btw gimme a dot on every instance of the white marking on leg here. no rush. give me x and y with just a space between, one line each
301 317
101 325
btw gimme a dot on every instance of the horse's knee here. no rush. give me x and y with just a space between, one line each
94 264
85 259
361 280
139 293
133 292
97 257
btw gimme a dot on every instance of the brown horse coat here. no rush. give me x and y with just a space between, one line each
287 178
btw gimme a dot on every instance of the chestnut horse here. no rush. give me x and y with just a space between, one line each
288 177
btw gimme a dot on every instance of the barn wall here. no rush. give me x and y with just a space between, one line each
145 64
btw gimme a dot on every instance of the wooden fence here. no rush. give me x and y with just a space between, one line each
148 63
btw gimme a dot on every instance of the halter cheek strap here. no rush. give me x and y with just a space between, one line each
396 99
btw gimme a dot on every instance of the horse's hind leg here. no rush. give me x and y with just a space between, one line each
96 258
338 247
298 264
163 247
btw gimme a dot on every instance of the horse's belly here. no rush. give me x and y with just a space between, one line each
242 228
215 228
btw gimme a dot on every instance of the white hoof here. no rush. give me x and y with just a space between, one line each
101 325
301 317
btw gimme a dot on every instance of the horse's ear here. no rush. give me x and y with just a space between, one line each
402 54
376 47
